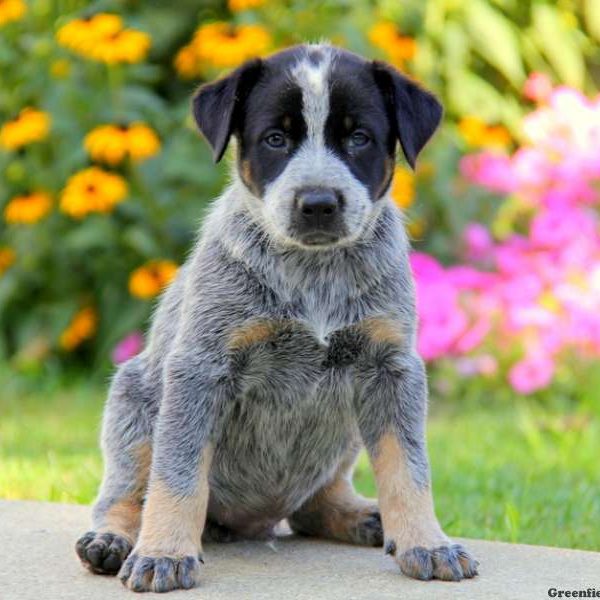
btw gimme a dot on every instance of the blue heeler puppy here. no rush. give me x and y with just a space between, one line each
286 342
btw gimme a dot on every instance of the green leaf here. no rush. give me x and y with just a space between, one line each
469 94
494 38
455 46
141 240
558 45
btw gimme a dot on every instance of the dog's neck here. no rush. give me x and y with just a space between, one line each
343 271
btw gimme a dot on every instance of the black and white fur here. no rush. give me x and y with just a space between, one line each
285 343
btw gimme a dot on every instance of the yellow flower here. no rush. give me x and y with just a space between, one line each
113 143
128 46
29 208
403 188
7 258
187 63
29 126
143 142
478 134
80 34
11 10
103 38
92 190
221 46
148 280
82 327
240 5
398 48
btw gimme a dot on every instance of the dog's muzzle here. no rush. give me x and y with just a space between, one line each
317 217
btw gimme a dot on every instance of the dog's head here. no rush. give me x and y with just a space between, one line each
317 129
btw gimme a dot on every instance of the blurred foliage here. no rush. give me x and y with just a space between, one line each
475 55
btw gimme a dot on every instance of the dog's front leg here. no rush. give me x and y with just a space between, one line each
392 412
168 550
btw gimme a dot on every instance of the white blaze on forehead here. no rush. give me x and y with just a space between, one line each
311 73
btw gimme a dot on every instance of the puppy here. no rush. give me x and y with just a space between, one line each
286 342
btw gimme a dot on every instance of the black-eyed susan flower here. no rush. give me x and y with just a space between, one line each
113 143
148 280
478 134
126 46
221 45
104 38
11 10
79 34
92 190
28 208
403 188
7 258
31 125
187 63
240 5
82 327
142 142
398 48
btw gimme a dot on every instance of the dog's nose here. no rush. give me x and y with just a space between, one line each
318 207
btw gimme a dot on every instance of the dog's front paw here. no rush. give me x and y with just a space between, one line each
450 562
102 553
160 574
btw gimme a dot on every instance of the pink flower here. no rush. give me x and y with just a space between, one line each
473 336
478 242
425 267
537 87
489 170
469 278
128 347
531 373
556 228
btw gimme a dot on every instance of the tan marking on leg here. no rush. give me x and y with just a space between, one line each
172 525
252 333
381 330
124 516
407 511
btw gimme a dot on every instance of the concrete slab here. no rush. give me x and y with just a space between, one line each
37 561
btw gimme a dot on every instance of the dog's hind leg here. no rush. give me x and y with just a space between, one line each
337 512
127 454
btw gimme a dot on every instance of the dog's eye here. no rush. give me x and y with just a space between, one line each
275 140
359 139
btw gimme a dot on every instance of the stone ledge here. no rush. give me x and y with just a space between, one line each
37 561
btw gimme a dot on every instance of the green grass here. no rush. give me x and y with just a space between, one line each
514 472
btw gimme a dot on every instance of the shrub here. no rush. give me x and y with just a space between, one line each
104 179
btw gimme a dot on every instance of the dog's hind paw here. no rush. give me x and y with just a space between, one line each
160 574
369 531
449 563
102 553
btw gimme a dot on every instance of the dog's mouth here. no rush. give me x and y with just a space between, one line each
319 238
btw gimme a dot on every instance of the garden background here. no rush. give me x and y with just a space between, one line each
104 181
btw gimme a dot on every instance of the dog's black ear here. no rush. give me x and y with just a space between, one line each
216 105
416 113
